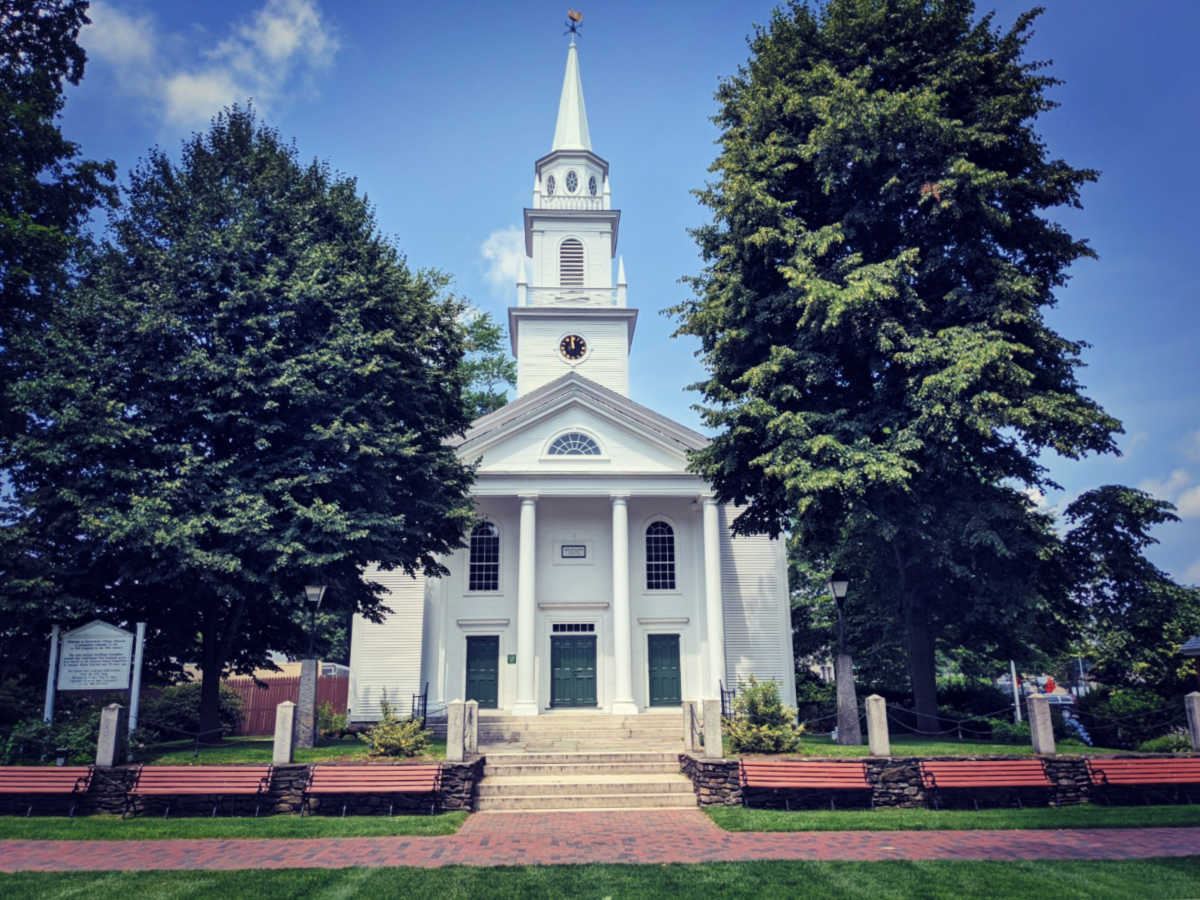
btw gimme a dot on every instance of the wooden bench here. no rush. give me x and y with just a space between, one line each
982 774
380 778
802 775
41 782
1153 772
215 782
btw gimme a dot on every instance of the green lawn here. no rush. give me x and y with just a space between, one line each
258 750
108 828
1163 879
737 818
902 745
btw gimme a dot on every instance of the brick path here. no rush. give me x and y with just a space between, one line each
658 836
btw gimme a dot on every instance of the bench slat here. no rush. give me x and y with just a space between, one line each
1144 771
801 775
971 773
373 779
164 781
44 780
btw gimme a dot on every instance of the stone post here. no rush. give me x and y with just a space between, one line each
1041 728
455 730
114 730
471 728
1192 704
306 712
285 733
877 726
713 748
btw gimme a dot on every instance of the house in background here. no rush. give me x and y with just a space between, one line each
602 574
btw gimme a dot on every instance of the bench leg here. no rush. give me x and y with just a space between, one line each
167 809
28 810
343 810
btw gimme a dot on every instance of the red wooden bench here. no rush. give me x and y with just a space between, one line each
802 775
1153 772
214 782
982 774
43 782
378 778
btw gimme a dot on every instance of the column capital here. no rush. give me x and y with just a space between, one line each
709 499
527 499
619 499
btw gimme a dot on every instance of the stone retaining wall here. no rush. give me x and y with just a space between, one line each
716 781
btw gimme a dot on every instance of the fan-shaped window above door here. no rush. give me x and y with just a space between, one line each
573 443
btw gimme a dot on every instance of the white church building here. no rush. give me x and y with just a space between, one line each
601 574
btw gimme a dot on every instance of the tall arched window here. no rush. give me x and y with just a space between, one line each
484 567
570 263
573 443
660 557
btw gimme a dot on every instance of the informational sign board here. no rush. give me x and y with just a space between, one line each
95 657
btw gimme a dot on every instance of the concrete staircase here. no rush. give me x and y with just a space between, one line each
559 781
568 761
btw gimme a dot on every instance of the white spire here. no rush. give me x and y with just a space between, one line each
571 130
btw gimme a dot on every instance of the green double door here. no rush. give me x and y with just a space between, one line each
663 653
483 669
572 670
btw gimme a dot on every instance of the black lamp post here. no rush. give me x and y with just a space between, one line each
849 728
314 594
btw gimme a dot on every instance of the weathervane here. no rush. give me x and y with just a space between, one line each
574 23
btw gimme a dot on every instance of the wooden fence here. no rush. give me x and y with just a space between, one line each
259 700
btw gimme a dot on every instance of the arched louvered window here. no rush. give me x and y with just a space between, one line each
484 567
570 263
573 443
660 557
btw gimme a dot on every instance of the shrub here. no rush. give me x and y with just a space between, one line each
393 736
1006 732
32 740
1172 742
174 712
976 698
331 724
1125 717
761 723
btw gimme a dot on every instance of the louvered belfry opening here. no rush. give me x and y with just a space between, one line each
570 263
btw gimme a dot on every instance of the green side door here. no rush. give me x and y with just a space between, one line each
483 669
572 670
663 652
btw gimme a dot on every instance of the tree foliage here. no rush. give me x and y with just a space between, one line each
871 310
488 370
250 392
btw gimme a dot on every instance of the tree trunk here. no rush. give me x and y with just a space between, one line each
848 725
211 667
922 666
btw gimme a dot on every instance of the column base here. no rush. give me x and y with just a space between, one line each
524 709
624 708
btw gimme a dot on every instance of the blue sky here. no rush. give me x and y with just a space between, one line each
439 111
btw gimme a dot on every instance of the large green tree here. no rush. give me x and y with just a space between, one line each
251 391
487 368
871 310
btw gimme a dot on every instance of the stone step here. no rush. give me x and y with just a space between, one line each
568 769
555 785
496 758
585 801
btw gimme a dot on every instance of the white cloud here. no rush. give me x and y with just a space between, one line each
266 57
503 252
1192 446
1036 497
1192 574
1188 503
1179 489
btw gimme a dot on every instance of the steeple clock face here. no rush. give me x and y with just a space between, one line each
572 347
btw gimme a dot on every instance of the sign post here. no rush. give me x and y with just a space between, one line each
135 691
48 708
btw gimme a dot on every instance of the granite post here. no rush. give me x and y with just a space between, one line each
114 731
471 728
712 730
285 733
306 712
1192 704
455 728
877 726
1041 728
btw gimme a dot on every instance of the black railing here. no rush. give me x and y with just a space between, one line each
697 733
420 704
727 700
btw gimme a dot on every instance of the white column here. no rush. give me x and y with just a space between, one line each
526 703
714 609
622 703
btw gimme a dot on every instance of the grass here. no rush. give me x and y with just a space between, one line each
905 745
113 828
1161 878
258 750
737 818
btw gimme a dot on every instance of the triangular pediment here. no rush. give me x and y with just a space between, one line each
632 437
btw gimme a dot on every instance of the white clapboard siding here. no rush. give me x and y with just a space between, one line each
754 593
385 657
540 362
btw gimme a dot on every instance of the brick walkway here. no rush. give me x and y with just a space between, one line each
658 836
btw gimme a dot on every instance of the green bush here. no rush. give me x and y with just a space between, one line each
1125 717
331 724
761 723
174 712
33 741
975 698
1171 742
1006 732
393 736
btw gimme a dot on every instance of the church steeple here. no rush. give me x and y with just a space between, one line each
571 129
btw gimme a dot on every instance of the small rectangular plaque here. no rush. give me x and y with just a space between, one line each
574 551
512 659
